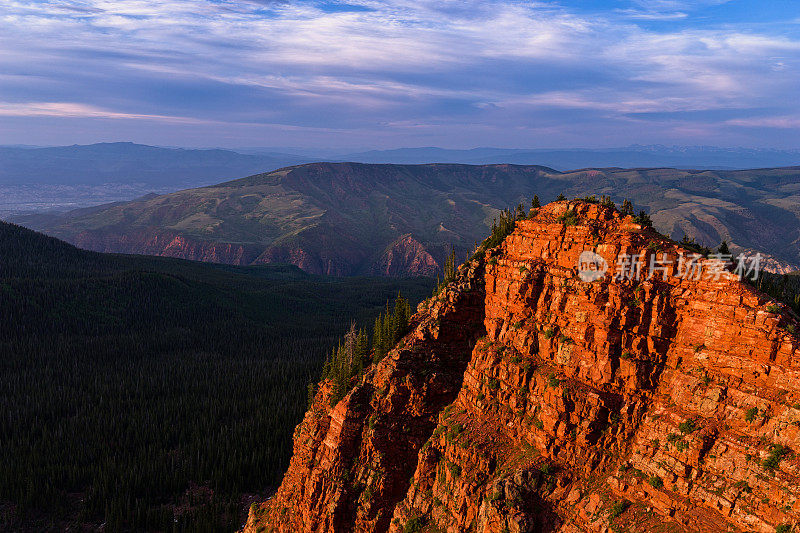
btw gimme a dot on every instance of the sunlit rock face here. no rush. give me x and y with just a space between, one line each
525 399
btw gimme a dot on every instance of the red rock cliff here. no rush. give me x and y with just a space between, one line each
527 400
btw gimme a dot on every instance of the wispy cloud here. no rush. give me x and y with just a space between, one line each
790 122
458 67
653 15
75 110
665 10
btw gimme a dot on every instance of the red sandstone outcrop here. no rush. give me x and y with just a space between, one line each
406 256
166 244
352 462
315 259
667 404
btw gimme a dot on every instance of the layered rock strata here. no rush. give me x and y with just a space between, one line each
528 400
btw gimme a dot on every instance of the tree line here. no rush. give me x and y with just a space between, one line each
357 350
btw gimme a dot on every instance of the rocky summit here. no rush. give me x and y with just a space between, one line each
527 400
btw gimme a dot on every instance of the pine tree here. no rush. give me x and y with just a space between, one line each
387 330
723 248
377 339
450 267
535 202
644 219
402 313
627 207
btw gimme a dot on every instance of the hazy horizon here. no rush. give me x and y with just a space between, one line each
303 150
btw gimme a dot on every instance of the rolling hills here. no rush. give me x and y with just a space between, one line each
351 218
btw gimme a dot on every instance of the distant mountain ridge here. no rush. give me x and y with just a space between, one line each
356 219
124 162
68 177
687 157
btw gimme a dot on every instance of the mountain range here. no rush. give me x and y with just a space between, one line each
126 162
61 178
351 218
694 157
36 179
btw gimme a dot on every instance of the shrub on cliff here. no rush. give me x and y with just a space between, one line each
644 219
618 508
606 201
627 207
692 245
782 287
501 228
569 218
776 453
414 525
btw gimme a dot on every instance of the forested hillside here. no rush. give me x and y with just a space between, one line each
150 393
348 218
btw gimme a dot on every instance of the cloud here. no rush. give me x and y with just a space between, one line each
653 15
368 64
789 122
666 10
677 5
75 110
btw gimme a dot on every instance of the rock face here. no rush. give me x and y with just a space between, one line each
167 244
527 400
406 256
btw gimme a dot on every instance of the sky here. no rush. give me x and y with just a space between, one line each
364 74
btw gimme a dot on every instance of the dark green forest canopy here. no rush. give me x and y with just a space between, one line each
150 393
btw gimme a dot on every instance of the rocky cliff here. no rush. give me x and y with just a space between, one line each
527 400
167 244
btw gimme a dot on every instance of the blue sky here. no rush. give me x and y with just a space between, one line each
366 74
